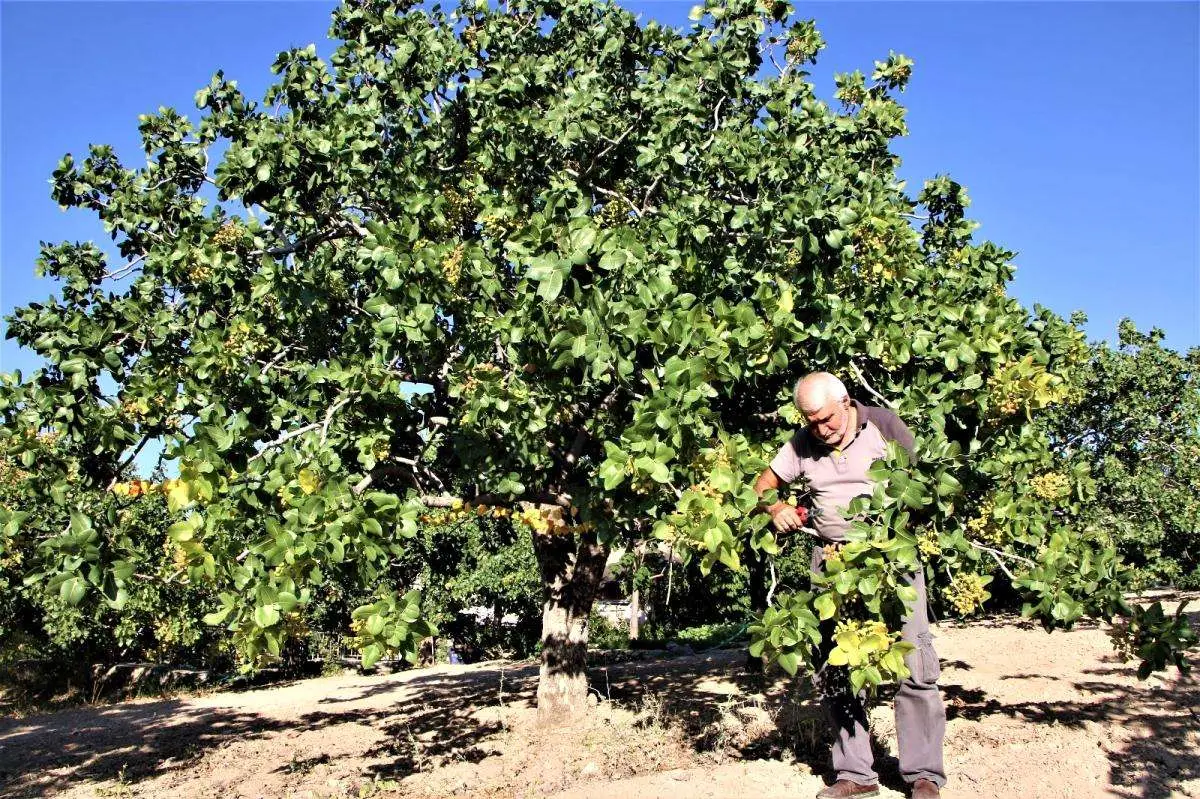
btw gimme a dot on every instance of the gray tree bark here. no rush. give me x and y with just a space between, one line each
571 566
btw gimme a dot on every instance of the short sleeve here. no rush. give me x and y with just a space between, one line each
786 463
891 426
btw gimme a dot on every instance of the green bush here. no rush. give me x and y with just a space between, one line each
603 634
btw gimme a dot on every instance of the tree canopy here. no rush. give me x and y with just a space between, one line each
573 262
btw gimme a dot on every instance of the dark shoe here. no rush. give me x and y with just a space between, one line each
845 788
924 789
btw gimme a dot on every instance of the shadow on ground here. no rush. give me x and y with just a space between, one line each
445 715
44 755
1156 717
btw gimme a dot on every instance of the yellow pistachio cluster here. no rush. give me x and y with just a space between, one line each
613 213
495 226
241 338
452 264
459 209
229 235
966 592
928 545
1024 384
136 488
552 520
861 643
472 382
135 409
458 511
198 273
984 525
1051 486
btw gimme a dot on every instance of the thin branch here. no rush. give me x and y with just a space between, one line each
619 139
716 124
611 194
275 361
300 244
390 467
858 374
997 554
670 572
125 464
329 417
647 208
121 272
775 63
774 582
496 500
283 439
361 231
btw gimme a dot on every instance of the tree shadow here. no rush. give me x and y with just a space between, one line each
450 717
44 755
1155 758
445 715
435 717
729 711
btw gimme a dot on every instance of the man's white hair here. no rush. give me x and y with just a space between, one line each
818 388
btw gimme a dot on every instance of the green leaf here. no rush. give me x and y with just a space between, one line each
825 606
858 676
551 286
266 615
72 591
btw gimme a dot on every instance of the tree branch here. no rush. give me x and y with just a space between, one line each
582 436
122 271
996 555
619 139
125 464
329 417
283 439
862 380
496 500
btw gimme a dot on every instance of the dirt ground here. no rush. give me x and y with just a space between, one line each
1030 715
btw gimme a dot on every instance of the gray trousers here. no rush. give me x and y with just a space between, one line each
920 714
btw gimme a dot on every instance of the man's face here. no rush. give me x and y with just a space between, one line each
828 423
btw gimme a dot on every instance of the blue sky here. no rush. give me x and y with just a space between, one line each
1075 126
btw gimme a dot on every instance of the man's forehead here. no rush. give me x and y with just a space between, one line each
829 408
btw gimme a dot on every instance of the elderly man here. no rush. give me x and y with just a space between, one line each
833 454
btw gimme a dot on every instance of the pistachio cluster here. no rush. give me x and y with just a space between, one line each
984 526
966 592
452 264
1051 486
229 235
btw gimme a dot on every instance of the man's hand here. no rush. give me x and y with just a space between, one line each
787 519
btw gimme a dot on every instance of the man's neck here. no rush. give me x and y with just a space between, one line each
851 428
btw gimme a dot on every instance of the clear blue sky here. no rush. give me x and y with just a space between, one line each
1074 126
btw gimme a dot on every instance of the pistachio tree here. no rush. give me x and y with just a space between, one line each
1137 424
570 260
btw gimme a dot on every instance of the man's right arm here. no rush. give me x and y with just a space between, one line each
784 516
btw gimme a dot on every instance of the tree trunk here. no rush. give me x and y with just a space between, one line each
571 567
635 609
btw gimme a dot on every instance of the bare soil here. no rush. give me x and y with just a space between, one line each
1030 715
